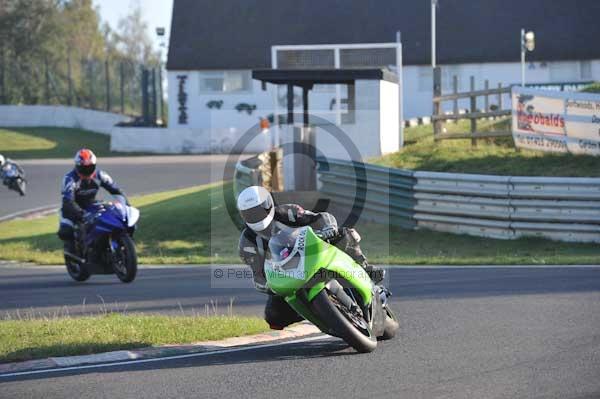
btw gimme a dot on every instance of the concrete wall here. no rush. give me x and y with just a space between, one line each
417 80
181 140
364 132
59 116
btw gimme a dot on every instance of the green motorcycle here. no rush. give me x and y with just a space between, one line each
326 287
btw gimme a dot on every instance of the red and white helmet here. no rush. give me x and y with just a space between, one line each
85 162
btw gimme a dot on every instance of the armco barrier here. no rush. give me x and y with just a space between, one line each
388 193
566 209
247 174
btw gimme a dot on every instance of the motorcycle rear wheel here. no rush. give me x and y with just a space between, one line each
358 334
128 271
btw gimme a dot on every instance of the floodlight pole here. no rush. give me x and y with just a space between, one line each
433 7
523 57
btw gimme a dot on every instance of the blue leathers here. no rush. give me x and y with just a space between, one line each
77 194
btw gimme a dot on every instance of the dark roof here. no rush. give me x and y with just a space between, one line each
234 34
301 77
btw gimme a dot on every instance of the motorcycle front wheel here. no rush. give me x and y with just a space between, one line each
77 271
348 325
391 324
21 187
125 259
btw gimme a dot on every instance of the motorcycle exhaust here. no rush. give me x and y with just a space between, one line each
336 289
75 257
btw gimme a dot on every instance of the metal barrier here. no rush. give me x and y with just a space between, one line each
566 209
263 169
247 173
388 193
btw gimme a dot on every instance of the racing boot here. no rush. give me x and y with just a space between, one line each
278 314
350 243
377 274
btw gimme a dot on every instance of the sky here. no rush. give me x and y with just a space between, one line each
156 12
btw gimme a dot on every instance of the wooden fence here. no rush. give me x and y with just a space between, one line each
473 114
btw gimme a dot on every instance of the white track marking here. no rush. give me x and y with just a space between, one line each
161 359
46 208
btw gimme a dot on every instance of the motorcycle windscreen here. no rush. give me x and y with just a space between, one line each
284 264
294 256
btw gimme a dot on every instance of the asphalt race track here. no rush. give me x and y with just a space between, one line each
468 332
136 175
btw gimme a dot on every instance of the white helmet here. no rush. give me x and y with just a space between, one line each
256 207
2 160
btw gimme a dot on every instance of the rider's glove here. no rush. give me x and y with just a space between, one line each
328 233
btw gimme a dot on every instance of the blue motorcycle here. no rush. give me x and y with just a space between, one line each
104 242
13 178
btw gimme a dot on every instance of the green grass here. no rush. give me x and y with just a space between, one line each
50 142
68 336
175 227
393 245
192 226
593 88
491 156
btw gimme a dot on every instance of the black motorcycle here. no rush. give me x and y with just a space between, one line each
14 178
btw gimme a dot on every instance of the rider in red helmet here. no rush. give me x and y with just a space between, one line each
79 189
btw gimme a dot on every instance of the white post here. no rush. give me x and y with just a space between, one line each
433 6
400 91
276 141
338 90
522 57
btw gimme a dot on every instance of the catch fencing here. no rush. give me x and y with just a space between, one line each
111 85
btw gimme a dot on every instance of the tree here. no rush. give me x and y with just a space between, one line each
133 37
58 52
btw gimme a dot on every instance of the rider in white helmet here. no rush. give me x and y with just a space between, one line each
258 211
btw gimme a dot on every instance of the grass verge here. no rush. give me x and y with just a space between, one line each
50 142
181 227
394 245
192 226
68 336
53 142
491 156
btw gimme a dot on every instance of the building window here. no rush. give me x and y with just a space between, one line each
585 68
225 82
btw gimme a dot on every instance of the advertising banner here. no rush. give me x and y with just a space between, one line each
556 121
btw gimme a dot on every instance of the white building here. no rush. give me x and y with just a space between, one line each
214 46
